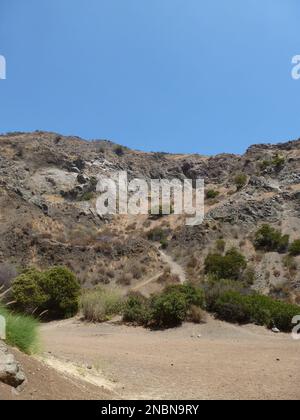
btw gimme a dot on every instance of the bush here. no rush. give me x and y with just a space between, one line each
119 151
229 266
21 331
55 291
258 309
240 181
216 288
63 290
164 310
277 162
168 309
27 291
100 304
269 239
295 248
212 194
136 309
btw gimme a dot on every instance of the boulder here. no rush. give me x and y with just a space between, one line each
11 372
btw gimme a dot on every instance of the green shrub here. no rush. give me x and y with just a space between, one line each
216 288
240 181
255 308
229 266
100 304
21 331
276 162
168 309
136 309
210 194
28 292
63 291
295 248
55 291
269 239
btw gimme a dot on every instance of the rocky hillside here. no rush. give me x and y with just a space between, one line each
48 214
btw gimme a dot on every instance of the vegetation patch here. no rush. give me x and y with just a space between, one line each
21 331
55 291
229 266
100 304
270 239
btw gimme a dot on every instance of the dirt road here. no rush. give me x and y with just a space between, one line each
211 361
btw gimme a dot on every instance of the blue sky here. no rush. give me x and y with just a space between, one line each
203 76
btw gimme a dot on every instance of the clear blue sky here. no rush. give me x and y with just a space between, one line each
202 76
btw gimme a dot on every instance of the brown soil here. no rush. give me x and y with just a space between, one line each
209 361
45 383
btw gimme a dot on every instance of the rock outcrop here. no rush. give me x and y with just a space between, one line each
10 370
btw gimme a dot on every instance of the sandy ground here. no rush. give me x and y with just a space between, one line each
45 383
209 361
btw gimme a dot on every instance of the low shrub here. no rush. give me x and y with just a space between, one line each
100 304
55 291
254 308
240 181
215 288
21 331
269 239
294 248
63 291
136 309
210 194
230 266
169 308
27 291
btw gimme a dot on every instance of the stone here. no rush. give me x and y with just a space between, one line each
11 372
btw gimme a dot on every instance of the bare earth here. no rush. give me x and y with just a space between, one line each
209 361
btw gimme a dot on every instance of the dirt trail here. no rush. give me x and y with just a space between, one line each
175 268
209 361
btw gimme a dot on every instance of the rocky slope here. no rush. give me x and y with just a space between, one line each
48 215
